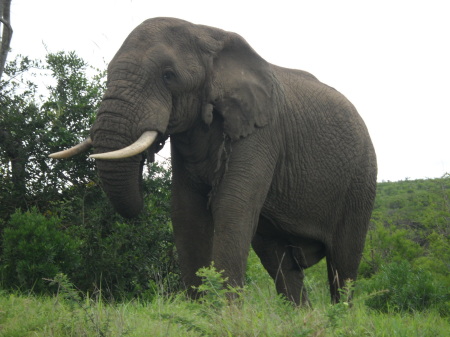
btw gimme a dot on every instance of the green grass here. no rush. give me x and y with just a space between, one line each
259 312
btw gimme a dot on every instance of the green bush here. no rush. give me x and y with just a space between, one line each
121 257
128 259
214 289
35 247
398 287
99 251
437 260
386 244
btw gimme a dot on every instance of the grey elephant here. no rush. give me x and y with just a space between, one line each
262 156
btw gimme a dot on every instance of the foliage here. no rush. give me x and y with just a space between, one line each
421 206
401 287
257 315
126 258
407 250
35 247
388 243
34 125
20 130
71 108
214 289
69 294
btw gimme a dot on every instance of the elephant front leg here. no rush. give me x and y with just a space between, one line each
236 206
192 225
231 244
193 233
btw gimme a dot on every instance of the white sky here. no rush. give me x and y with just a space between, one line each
391 58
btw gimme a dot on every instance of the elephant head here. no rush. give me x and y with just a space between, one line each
168 76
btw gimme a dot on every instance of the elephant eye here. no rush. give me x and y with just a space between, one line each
168 76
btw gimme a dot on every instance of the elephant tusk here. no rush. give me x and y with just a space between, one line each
77 149
144 142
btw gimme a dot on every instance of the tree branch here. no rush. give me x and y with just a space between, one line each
5 19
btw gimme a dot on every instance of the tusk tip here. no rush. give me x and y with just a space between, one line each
77 149
55 155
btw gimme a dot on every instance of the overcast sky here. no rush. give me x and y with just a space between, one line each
390 58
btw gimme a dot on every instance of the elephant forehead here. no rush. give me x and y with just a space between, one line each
160 49
164 30
149 61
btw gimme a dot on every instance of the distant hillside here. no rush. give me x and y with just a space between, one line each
410 222
419 205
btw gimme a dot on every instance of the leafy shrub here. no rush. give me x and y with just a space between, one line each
437 260
398 287
214 289
35 247
122 257
130 258
387 243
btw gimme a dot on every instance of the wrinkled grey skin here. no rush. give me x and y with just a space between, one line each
262 156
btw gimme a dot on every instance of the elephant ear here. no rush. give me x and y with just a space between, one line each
239 87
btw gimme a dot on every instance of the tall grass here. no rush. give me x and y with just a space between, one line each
257 311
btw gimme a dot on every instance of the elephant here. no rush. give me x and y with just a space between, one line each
262 156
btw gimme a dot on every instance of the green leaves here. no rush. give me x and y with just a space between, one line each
403 288
37 121
35 247
407 249
126 257
214 289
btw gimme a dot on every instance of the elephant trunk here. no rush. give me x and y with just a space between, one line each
122 182
128 112
121 178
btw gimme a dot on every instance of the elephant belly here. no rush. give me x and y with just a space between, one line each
307 249
307 252
301 220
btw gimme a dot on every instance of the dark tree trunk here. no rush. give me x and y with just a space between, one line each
17 156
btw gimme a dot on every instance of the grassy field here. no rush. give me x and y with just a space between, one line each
258 312
255 316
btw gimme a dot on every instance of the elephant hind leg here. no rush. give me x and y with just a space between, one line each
277 258
344 256
339 274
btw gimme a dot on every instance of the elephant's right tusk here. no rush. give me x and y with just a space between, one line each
143 143
82 147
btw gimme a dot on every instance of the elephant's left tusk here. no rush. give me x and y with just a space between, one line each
143 143
82 147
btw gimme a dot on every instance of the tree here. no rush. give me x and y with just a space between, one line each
126 257
32 126
19 117
6 32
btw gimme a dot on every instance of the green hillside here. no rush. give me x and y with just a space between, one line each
411 222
